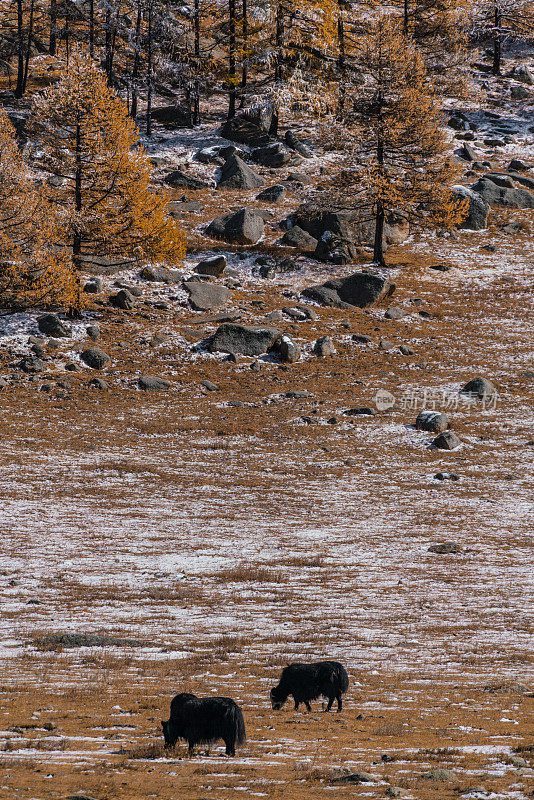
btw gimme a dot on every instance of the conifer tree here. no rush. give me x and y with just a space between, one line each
32 272
90 143
502 20
396 153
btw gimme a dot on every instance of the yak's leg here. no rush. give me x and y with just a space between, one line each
339 703
191 751
307 704
230 747
329 706
297 704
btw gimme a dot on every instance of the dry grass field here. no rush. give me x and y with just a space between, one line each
213 537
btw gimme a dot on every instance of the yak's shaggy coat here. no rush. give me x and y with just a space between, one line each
307 682
201 720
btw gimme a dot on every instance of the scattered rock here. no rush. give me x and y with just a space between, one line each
296 394
94 357
93 331
244 339
359 290
517 165
94 286
242 227
396 312
51 325
212 266
356 777
303 241
274 316
447 440
151 383
519 92
361 411
178 179
161 275
31 364
431 421
324 346
385 344
497 195
523 74
294 143
478 209
466 153
206 296
446 476
235 174
271 155
406 350
210 386
172 117
273 194
288 349
98 383
177 208
480 389
271 266
361 338
393 791
123 300
440 775
253 126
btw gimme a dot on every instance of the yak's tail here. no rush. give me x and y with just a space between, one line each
239 726
343 678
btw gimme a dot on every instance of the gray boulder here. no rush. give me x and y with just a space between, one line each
524 74
478 209
396 312
479 389
235 174
447 440
288 350
51 325
303 241
213 266
499 179
518 165
272 155
151 383
123 300
243 227
161 275
359 290
93 286
31 364
496 195
253 126
206 296
445 548
466 153
93 331
294 143
273 194
95 358
172 117
431 421
179 179
243 339
324 346
98 383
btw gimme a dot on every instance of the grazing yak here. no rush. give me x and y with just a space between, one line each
307 682
201 720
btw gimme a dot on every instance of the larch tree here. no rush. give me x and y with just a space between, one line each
502 20
396 155
32 270
91 144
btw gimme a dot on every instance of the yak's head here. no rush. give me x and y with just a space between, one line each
167 733
278 698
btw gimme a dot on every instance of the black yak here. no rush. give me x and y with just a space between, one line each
200 720
307 682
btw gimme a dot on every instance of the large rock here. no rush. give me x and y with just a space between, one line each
152 383
324 346
294 143
243 339
51 325
161 275
359 290
479 389
179 179
273 194
235 174
431 421
302 240
123 300
206 296
31 364
524 74
288 350
340 233
272 155
172 117
213 266
478 209
243 227
500 196
447 440
253 126
95 358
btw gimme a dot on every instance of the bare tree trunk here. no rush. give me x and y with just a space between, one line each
196 97
149 73
77 237
405 18
28 46
232 60
91 28
380 216
497 39
135 70
341 62
278 43
53 22
244 75
19 90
